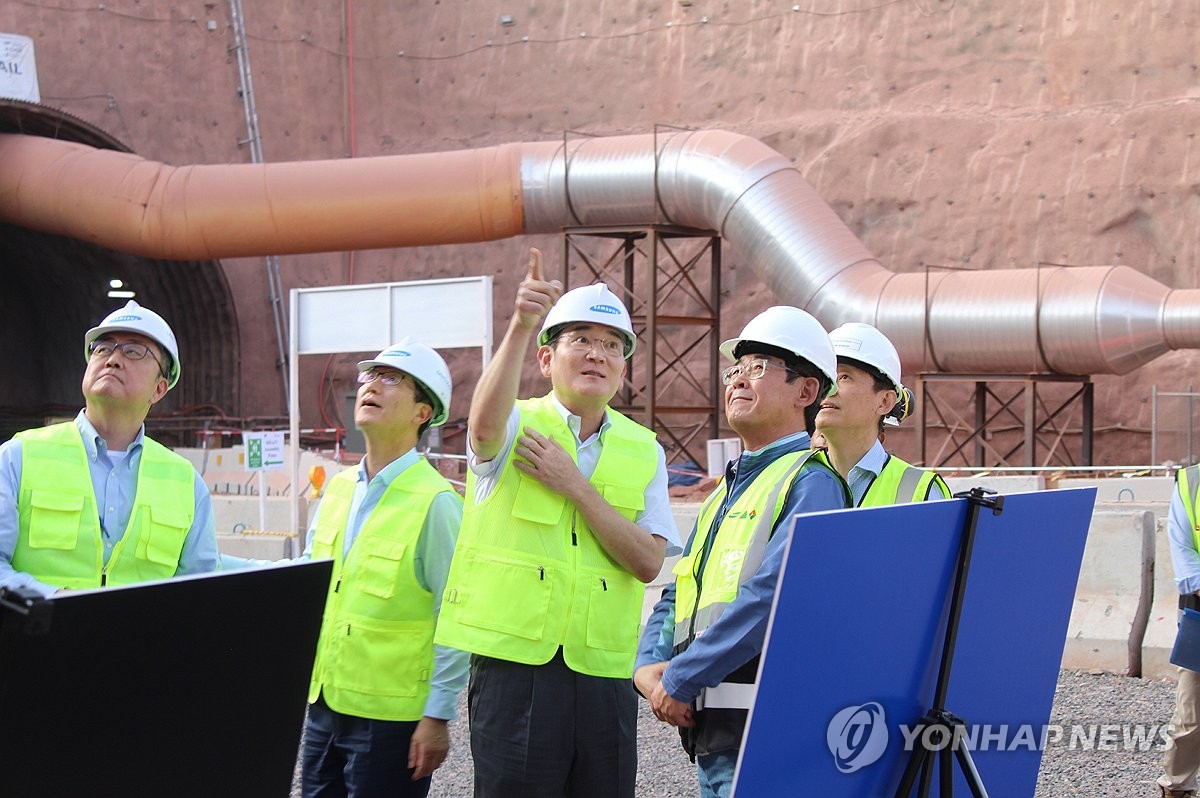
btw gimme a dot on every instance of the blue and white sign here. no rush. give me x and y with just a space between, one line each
855 637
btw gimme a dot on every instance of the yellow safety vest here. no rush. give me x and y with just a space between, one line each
1186 481
60 539
901 483
739 540
528 574
375 654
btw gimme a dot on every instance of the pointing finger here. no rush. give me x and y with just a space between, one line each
535 264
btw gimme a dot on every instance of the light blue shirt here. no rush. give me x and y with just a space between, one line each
655 516
866 471
435 547
739 633
1184 557
114 484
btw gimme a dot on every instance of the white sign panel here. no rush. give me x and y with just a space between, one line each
18 72
264 450
444 314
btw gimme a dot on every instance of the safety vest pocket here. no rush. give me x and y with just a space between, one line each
506 594
164 534
54 519
537 503
614 610
324 537
626 500
384 658
379 568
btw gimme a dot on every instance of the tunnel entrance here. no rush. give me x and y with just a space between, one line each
56 288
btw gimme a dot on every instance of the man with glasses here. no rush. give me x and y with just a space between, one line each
94 502
699 653
567 517
382 694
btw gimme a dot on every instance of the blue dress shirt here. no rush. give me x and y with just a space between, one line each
1184 557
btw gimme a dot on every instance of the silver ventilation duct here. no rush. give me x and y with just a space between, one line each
1092 320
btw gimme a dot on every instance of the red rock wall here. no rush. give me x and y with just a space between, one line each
946 134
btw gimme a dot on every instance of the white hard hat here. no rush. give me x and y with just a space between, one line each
137 319
591 304
424 365
865 344
793 330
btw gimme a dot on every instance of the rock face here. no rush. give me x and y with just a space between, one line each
947 135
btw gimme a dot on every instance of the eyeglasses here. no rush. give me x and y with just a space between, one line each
584 343
130 350
753 369
387 378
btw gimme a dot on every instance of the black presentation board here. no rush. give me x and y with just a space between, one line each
193 686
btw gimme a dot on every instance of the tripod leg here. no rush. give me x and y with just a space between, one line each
972 775
916 761
927 773
946 771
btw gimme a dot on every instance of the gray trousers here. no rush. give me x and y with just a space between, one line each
545 731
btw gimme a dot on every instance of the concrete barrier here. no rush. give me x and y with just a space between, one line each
1001 483
1164 609
1125 489
258 546
1123 616
1108 617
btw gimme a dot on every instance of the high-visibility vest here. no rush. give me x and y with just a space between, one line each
375 653
1186 481
739 541
528 574
901 483
60 538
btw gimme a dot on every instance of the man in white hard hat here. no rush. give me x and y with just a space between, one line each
567 517
382 693
94 502
869 394
710 626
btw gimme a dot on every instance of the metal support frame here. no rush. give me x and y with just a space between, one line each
675 305
1042 420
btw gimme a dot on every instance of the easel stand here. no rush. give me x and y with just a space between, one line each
940 730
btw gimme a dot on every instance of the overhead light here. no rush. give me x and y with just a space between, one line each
114 294
116 283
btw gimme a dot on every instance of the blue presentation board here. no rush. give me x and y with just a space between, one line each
855 640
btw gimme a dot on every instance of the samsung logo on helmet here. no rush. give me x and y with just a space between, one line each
609 309
124 318
398 353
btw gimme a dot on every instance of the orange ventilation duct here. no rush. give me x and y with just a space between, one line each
1093 320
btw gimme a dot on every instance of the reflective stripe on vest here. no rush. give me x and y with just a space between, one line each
375 654
60 538
1188 480
901 483
529 576
739 541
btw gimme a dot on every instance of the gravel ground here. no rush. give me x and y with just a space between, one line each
1094 699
